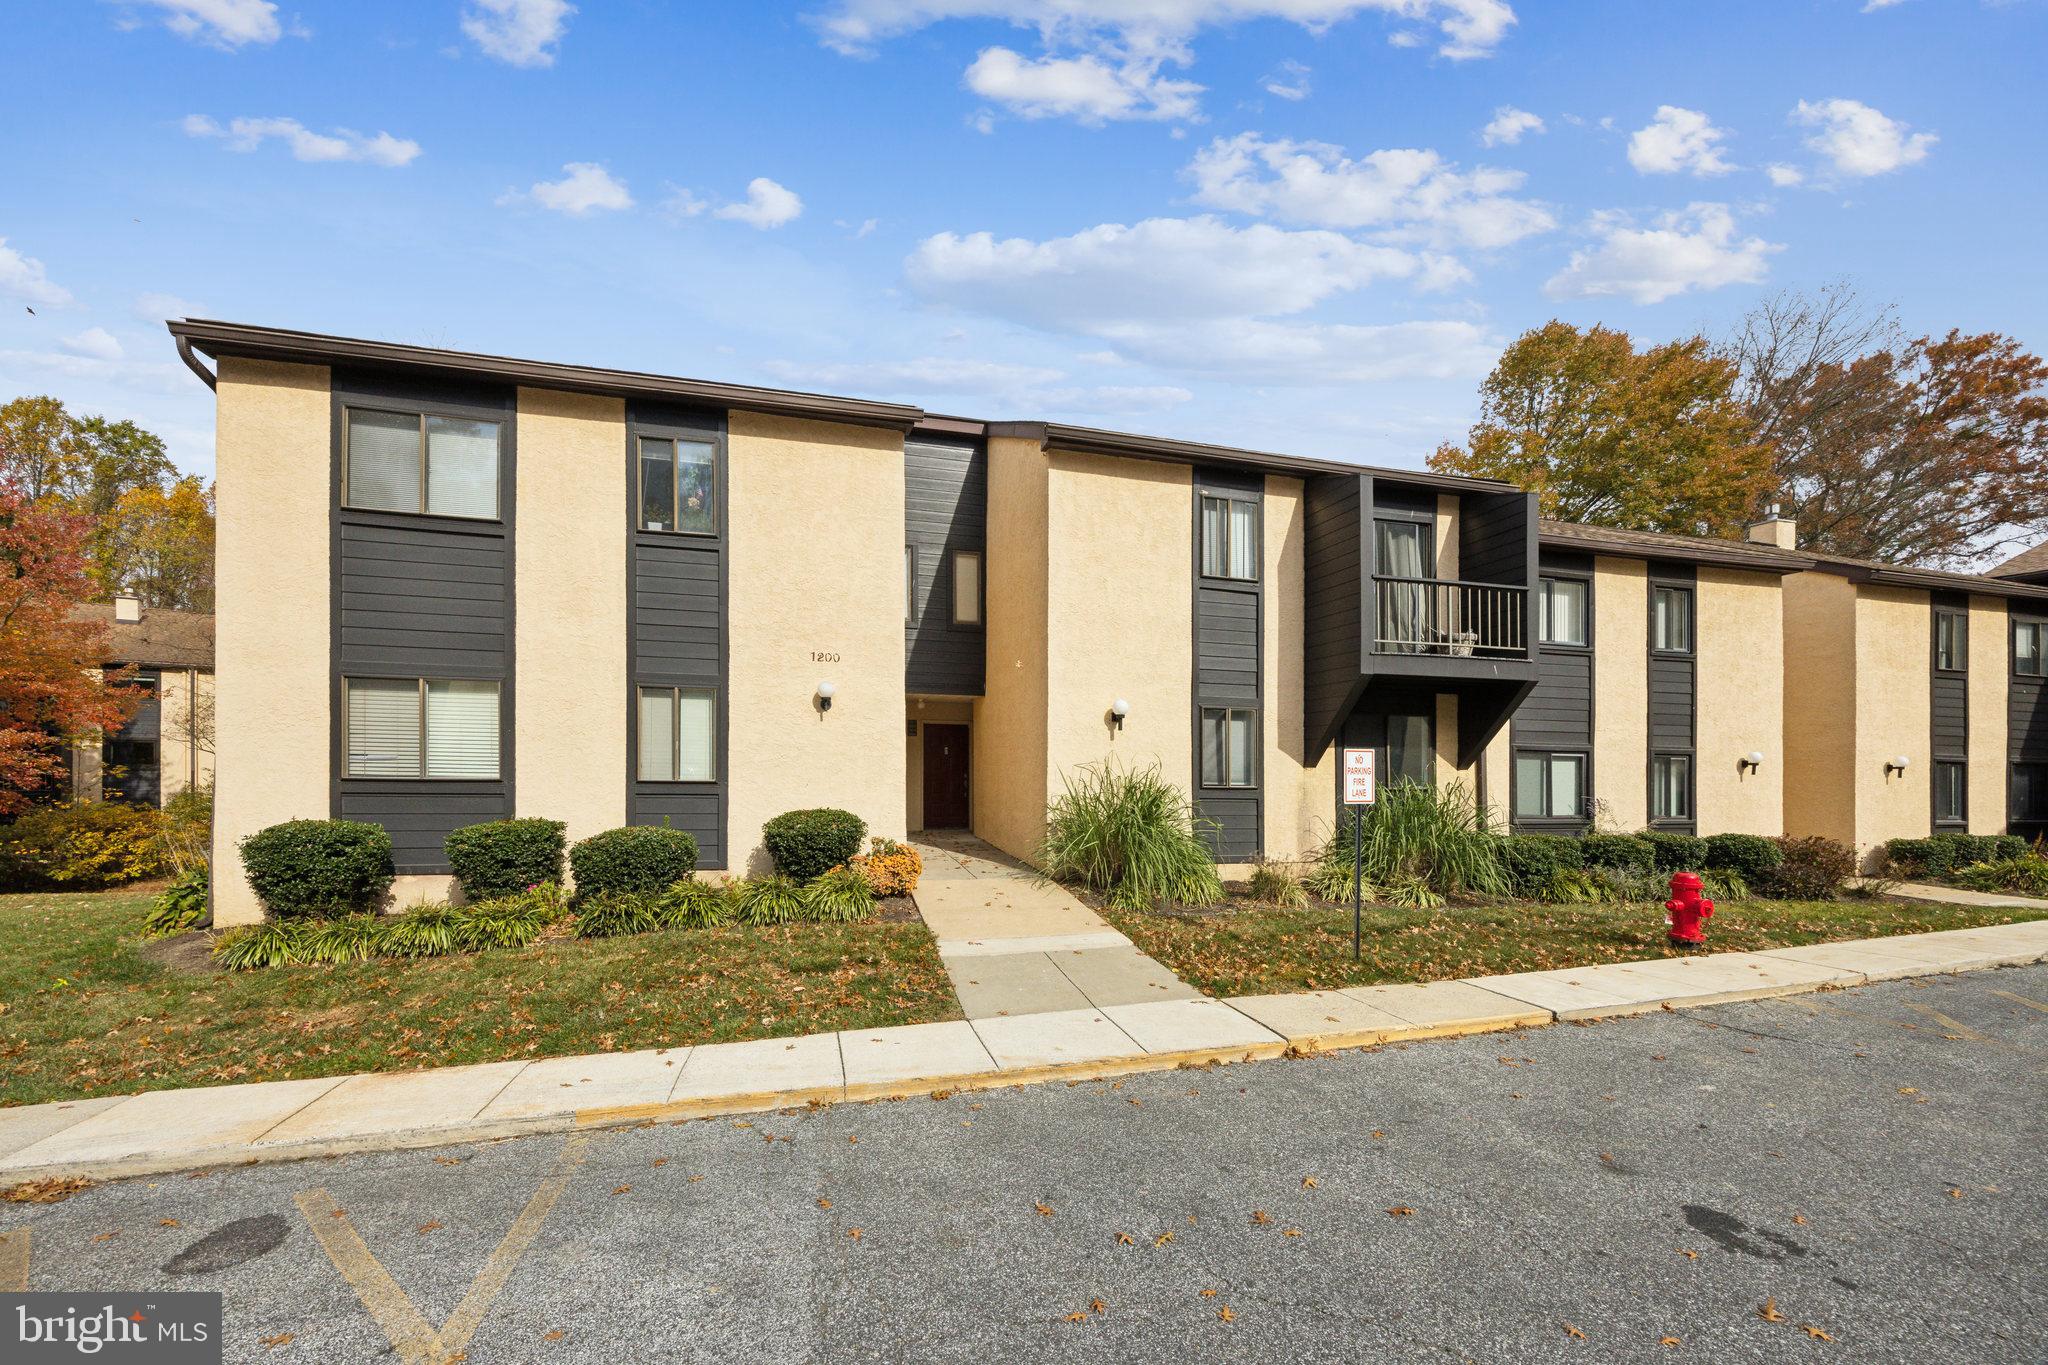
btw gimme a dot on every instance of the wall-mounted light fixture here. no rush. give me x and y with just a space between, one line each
1752 760
1118 709
825 693
1897 765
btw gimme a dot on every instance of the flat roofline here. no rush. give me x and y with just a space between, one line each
275 343
1092 441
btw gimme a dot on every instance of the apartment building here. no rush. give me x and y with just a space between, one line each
455 587
167 745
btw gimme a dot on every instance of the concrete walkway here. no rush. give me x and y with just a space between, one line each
1953 895
1016 944
171 1130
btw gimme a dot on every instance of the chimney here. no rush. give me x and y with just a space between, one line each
127 608
1774 528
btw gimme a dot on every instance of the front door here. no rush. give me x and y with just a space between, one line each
945 777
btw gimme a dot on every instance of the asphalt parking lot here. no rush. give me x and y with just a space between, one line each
1850 1175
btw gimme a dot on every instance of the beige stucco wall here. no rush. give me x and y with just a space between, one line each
1497 764
1621 691
1739 702
930 710
815 525
273 689
1299 800
569 566
1446 767
1818 772
1009 735
1120 615
1893 699
1989 717
1447 535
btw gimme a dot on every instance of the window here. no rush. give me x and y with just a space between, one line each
678 486
1409 751
443 728
1404 551
1550 786
1671 787
1561 611
1228 743
2029 792
1230 538
1951 788
966 587
1951 641
678 734
1671 620
410 462
2030 647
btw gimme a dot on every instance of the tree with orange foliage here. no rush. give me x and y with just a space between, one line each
52 690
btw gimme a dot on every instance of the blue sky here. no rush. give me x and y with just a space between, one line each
1298 225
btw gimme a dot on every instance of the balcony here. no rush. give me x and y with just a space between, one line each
1450 618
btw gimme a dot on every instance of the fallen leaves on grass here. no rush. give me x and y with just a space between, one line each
55 1190
1769 1312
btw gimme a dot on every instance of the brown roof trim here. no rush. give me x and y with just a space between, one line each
1931 580
1731 554
936 425
1090 441
274 343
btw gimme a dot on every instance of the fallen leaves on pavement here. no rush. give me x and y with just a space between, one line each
1814 1332
1401 1211
281 1339
432 1225
1225 1313
1572 1331
1769 1312
55 1190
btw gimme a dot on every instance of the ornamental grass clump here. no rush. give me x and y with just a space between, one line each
1133 836
691 904
1276 884
774 899
426 930
1418 839
841 896
514 921
273 943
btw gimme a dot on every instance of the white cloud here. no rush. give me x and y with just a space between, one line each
23 277
1858 140
585 188
1872 6
159 307
1289 82
518 32
1693 249
1088 87
768 205
94 343
153 376
682 203
221 23
1678 140
1508 126
1413 193
247 134
1784 176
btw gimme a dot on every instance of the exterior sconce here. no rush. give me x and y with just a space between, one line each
1897 765
1118 709
825 693
1752 760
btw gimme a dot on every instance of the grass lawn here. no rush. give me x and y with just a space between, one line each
1257 950
84 1012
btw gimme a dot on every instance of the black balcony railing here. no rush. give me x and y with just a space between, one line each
1449 617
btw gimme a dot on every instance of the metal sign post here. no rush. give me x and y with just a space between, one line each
1358 794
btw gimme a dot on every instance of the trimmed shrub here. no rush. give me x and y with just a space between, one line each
1809 869
1431 835
1917 857
1748 856
318 867
634 860
892 869
91 844
505 857
690 904
179 906
619 913
1532 860
1276 884
1133 836
1676 852
1622 852
2006 847
840 896
2025 875
806 844
773 899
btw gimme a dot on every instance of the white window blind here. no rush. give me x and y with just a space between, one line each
657 734
383 727
1215 538
966 588
678 735
1244 540
697 737
1227 740
462 467
1561 612
384 460
462 729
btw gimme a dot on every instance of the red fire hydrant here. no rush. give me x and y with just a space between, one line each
1687 911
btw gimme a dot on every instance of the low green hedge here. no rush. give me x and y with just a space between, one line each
1943 854
504 857
1533 860
1676 852
1622 852
806 844
634 860
1749 856
318 867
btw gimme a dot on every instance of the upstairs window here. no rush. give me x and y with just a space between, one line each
1561 611
2030 648
412 462
678 486
967 587
1951 641
1230 539
435 728
1671 620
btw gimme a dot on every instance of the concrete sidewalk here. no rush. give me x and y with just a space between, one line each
173 1130
1955 895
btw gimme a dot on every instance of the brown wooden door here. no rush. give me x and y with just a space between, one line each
945 777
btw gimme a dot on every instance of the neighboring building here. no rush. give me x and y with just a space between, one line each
2028 566
167 745
457 587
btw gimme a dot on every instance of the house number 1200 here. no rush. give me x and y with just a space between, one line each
819 656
